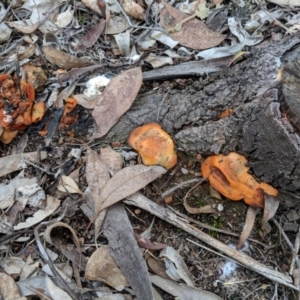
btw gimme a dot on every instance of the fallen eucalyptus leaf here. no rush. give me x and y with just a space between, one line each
97 176
133 9
249 223
185 33
90 38
52 205
8 288
54 291
126 182
65 18
68 185
172 256
116 99
182 291
63 59
11 163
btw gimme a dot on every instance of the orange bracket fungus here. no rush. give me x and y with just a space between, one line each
154 145
229 176
16 105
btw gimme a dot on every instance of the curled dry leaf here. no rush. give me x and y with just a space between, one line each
63 59
154 145
207 209
133 9
116 99
202 38
229 176
47 233
68 185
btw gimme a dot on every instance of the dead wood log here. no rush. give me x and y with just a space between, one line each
256 129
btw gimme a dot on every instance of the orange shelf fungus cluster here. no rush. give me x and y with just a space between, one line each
17 108
229 176
154 145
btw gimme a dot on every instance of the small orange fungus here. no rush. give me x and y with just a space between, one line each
154 145
229 176
16 103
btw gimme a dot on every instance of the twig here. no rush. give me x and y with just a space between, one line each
165 214
295 253
6 11
136 26
179 186
191 220
161 103
17 42
297 245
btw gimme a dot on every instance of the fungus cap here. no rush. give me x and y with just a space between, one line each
154 145
229 176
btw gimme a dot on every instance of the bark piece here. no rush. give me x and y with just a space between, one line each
124 249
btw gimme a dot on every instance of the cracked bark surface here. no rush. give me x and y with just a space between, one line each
255 129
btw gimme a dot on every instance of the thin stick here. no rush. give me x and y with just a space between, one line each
179 186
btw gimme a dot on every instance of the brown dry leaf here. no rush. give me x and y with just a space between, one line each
93 5
112 159
157 266
133 9
14 162
8 288
25 26
90 38
147 244
68 185
249 223
126 182
102 267
97 175
193 34
63 59
116 99
271 205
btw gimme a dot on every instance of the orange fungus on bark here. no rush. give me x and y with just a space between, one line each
229 176
154 145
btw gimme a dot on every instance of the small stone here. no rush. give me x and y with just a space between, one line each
128 155
290 227
168 200
184 171
220 207
137 211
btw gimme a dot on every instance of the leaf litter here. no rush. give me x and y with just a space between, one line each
69 47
